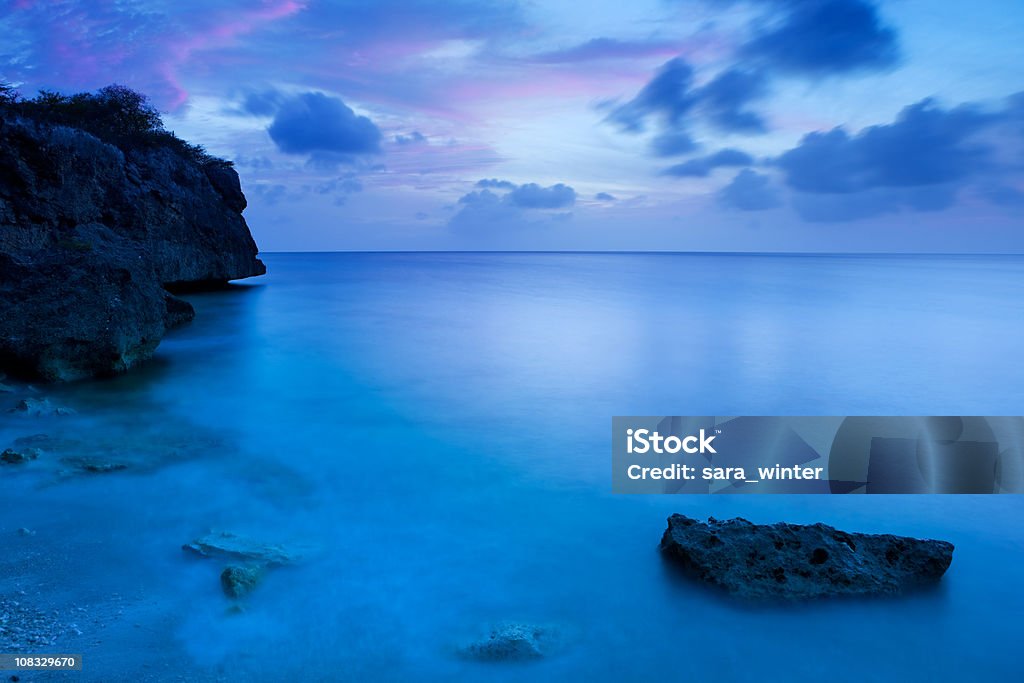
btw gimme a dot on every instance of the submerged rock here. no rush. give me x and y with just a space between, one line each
40 407
512 642
141 446
94 465
254 557
227 545
14 457
793 561
238 581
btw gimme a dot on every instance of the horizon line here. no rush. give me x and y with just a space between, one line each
642 252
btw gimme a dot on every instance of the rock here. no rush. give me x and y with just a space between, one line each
226 545
91 233
23 531
14 457
512 642
43 442
94 465
40 407
792 561
238 581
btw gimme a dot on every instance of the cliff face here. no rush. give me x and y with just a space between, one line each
90 235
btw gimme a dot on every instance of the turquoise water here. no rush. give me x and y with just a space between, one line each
433 430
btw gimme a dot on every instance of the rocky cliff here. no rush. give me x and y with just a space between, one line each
91 233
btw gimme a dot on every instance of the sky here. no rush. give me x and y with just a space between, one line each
710 125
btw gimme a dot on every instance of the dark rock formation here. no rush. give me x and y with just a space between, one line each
90 234
238 581
792 561
12 456
40 407
512 642
94 465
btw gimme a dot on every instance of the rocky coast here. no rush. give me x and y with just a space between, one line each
96 228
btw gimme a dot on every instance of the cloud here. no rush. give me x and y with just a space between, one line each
533 196
673 144
838 208
270 194
340 189
920 162
413 138
494 183
674 103
808 38
263 103
482 210
749 191
78 45
703 166
342 185
604 197
519 206
317 123
926 145
726 100
606 48
159 47
668 96
822 37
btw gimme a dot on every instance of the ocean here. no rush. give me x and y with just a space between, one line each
432 432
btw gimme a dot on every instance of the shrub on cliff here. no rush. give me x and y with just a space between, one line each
115 114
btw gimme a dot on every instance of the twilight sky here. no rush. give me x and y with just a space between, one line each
761 125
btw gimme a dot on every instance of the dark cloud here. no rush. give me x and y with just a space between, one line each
927 145
347 184
264 103
317 123
517 207
703 166
810 38
837 208
270 194
533 196
673 144
496 184
673 102
667 96
604 48
484 210
726 99
413 138
822 37
604 197
920 162
750 191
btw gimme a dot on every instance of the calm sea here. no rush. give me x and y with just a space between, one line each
433 431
